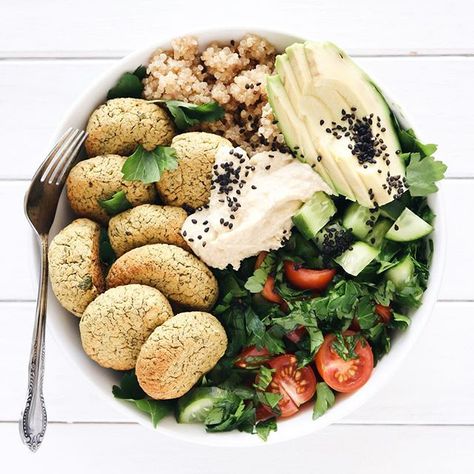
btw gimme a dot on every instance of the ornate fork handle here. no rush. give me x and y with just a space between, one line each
33 419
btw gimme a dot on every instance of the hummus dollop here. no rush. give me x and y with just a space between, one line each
252 202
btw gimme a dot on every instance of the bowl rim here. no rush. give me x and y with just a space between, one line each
302 424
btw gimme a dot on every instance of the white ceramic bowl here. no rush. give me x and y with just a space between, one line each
65 326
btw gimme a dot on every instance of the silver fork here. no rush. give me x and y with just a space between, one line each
41 201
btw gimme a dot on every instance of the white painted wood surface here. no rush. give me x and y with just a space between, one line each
421 52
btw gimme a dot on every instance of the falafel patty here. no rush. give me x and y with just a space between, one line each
190 183
178 353
75 270
147 224
117 323
99 178
119 125
179 275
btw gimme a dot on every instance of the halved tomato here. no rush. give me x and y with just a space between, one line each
295 385
269 292
384 313
307 279
344 375
252 357
263 413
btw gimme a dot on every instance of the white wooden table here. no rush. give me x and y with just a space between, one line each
422 51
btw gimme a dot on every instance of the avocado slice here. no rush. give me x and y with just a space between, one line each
333 117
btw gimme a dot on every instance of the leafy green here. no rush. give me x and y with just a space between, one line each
302 314
410 143
269 399
148 166
106 252
131 391
264 378
422 173
230 413
345 346
256 282
186 115
129 84
325 399
116 204
264 428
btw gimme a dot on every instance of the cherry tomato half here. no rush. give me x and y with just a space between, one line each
252 357
344 375
384 313
307 279
295 385
269 292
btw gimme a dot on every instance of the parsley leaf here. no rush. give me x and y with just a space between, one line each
129 84
131 391
116 204
256 282
345 346
230 413
325 399
264 428
410 143
263 378
186 115
422 173
106 252
148 166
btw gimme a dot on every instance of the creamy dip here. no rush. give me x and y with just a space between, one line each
251 205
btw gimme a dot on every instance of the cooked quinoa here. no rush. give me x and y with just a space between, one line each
231 74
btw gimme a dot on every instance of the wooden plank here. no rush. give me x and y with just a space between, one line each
113 27
76 449
428 388
435 92
17 280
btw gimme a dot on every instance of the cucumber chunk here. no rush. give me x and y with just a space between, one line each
314 214
401 273
359 219
377 234
408 227
195 405
357 257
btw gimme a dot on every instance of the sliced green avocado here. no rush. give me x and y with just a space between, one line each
332 116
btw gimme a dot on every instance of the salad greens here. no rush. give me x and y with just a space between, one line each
148 166
186 115
116 204
129 84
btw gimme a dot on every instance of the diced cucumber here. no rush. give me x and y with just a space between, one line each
356 258
195 405
314 214
408 227
359 219
377 234
401 273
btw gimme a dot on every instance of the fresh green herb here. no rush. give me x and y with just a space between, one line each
264 378
106 252
269 399
325 399
345 346
129 84
116 204
422 173
256 282
400 321
264 428
148 166
302 314
186 115
410 143
131 391
366 316
230 413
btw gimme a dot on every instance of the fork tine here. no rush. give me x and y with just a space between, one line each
47 163
63 168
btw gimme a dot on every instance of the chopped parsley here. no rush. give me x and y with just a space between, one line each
129 84
186 115
116 204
